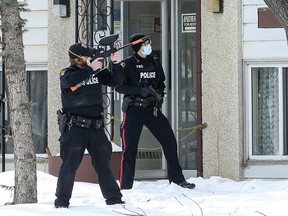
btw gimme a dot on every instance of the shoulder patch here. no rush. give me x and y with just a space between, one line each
62 72
122 64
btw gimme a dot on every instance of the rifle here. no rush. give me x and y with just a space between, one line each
100 52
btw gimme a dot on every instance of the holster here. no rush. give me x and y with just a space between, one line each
62 119
127 101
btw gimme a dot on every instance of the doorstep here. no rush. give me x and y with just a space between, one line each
85 172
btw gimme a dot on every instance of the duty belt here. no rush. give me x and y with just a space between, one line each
144 102
84 122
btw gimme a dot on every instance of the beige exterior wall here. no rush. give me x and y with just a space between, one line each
60 37
222 91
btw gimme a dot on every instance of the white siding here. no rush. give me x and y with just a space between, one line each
35 36
261 43
37 4
35 39
269 50
36 55
252 2
35 18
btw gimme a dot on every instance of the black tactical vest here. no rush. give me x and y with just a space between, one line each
147 73
89 94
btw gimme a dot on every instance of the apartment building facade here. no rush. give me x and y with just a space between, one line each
224 68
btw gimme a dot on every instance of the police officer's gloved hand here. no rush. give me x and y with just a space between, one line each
159 103
145 91
154 93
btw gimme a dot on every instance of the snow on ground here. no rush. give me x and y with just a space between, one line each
212 197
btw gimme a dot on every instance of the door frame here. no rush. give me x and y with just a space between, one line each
175 82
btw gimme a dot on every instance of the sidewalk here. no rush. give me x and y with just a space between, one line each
42 163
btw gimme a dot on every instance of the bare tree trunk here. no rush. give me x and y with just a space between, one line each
19 105
280 10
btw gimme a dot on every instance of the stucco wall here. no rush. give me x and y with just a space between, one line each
222 91
60 36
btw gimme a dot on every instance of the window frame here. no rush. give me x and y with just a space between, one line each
249 110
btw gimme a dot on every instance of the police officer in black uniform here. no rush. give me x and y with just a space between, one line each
142 83
81 124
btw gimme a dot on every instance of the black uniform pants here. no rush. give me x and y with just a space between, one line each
73 143
131 128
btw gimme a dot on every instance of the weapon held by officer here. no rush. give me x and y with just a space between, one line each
100 52
109 41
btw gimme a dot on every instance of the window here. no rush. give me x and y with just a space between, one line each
267 108
37 85
38 96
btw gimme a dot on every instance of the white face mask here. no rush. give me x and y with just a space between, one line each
147 50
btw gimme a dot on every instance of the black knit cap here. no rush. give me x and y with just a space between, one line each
135 37
77 50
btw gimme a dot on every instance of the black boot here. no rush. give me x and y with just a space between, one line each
186 184
113 201
59 203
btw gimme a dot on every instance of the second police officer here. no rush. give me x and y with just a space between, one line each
142 83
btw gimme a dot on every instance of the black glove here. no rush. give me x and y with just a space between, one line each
145 91
159 103
154 93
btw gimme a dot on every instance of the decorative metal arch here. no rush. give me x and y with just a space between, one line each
94 19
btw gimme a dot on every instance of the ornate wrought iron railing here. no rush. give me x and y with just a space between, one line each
94 20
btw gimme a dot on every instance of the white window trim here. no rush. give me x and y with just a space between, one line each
248 95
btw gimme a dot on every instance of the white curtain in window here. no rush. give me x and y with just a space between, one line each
265 111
